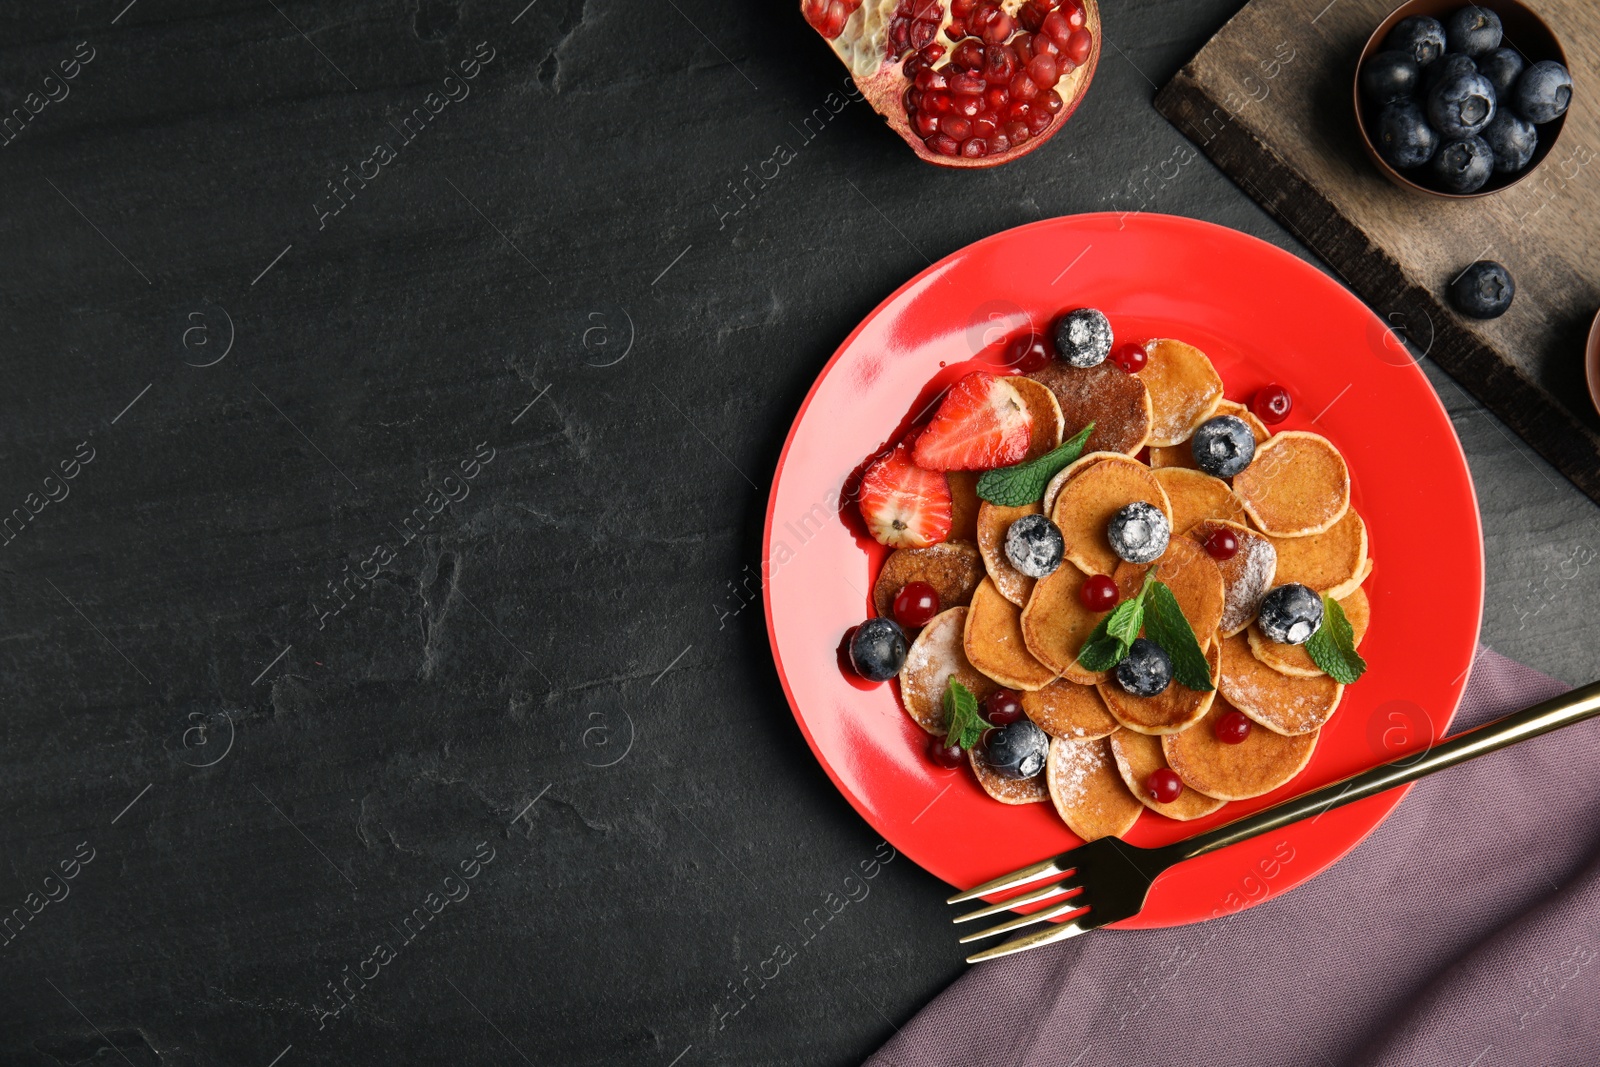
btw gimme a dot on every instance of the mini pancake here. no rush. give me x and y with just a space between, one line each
1067 473
1283 704
1175 708
1259 764
1246 577
1329 562
934 658
1008 790
1297 485
1196 496
1138 756
1183 455
1184 389
1045 412
963 505
953 568
1087 791
1294 660
1055 623
1086 503
992 637
1195 581
1069 710
1116 402
993 522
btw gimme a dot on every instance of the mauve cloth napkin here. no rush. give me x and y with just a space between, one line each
1464 932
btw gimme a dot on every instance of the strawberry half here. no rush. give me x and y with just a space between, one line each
982 423
904 505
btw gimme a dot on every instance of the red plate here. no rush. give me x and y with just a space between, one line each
1261 315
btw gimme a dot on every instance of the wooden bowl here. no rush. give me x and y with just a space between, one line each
1524 31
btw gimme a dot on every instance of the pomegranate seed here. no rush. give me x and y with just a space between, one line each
969 55
1130 357
976 148
1046 46
995 97
1164 786
915 605
1232 728
945 755
922 34
926 123
985 126
933 53
1016 131
999 64
1022 88
1028 352
1022 47
1066 65
956 126
999 29
1057 27
999 143
1040 121
1272 403
962 8
1074 12
967 83
1223 544
1031 15
1002 707
1078 45
1099 593
930 80
982 15
900 37
966 104
937 102
1053 103
956 30
945 145
1042 71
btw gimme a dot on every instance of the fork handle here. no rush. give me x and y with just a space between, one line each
1553 714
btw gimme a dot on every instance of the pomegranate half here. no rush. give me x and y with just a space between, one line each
966 83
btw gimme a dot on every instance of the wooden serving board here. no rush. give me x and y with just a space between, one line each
1268 99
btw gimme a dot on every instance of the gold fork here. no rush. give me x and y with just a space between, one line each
1112 877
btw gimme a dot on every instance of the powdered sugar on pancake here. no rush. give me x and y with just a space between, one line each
934 657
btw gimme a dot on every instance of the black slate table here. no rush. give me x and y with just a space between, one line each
387 681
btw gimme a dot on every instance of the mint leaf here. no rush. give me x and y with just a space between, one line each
1165 625
1333 646
1023 483
965 725
1109 642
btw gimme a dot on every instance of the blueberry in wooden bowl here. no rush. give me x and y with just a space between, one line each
1460 99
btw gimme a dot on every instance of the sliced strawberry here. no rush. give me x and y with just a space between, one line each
981 424
904 505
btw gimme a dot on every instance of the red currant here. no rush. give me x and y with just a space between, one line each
1272 403
1002 707
1099 593
916 604
1163 785
1232 728
1028 352
1223 544
1130 357
945 755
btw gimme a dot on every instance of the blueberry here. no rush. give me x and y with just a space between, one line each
1223 446
1146 670
1016 750
1463 166
1403 137
1473 30
1543 92
1501 67
1483 291
1512 139
1290 614
1034 545
1449 65
1419 35
1083 337
1389 76
1461 106
1139 532
878 650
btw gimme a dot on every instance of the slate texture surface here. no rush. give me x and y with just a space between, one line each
543 324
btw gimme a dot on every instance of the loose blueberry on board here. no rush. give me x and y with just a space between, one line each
1099 593
1083 337
1473 30
1222 545
1449 65
1163 786
1461 106
1146 670
1139 532
1543 92
1223 446
1034 546
1130 357
1017 750
1272 404
1290 614
1403 137
1483 291
1512 139
944 754
1389 76
915 605
878 650
1422 37
1003 707
1502 67
1463 166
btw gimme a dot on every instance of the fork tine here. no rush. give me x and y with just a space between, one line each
1048 936
1030 897
1054 911
1031 873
